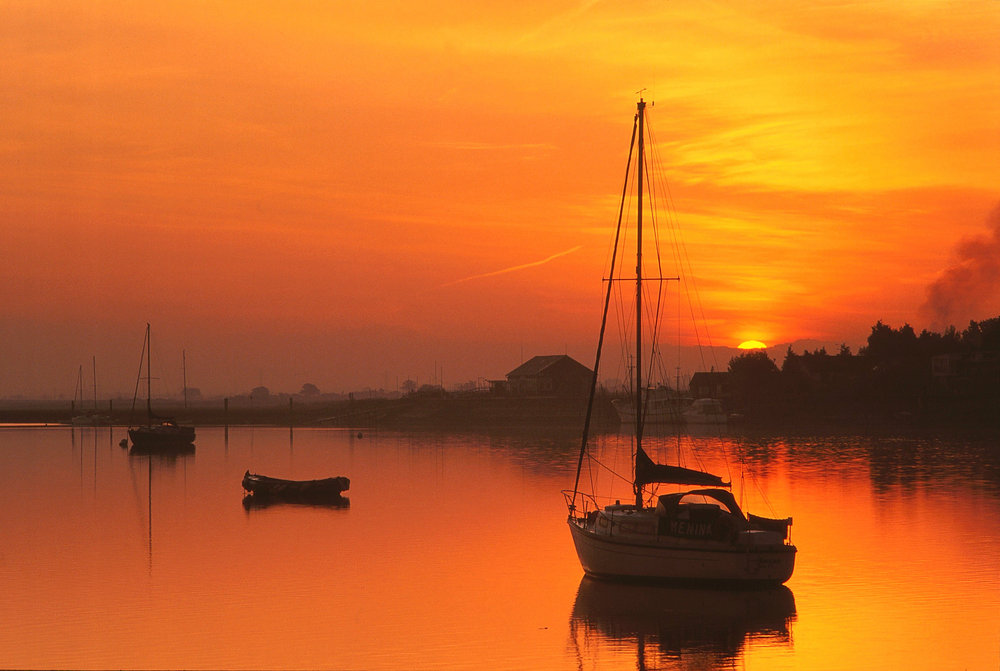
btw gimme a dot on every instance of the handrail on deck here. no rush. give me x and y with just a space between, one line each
589 503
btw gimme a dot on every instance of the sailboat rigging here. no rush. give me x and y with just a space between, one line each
158 432
695 535
86 417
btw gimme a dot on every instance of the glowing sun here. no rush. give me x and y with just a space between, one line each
752 344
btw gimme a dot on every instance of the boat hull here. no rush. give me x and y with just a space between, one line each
657 413
706 411
150 437
608 557
263 488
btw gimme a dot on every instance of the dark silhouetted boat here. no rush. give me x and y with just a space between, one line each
690 536
263 490
158 432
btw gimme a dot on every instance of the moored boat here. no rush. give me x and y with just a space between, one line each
705 411
158 432
262 487
690 536
698 536
662 406
165 434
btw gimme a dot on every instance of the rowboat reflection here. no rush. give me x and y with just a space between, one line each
252 502
676 627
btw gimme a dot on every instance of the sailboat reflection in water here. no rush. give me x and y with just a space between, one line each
161 462
690 536
670 624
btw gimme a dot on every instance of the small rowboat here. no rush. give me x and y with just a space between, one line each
327 490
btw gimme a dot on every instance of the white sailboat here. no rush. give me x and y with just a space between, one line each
86 417
662 406
705 411
696 535
83 418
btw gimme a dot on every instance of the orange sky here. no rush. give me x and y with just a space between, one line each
325 192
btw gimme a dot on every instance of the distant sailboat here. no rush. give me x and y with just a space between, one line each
691 536
158 432
706 411
80 417
86 417
662 406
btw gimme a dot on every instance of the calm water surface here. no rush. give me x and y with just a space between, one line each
454 554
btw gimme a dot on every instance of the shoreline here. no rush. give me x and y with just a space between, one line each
506 412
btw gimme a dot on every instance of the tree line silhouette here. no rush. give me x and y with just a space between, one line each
952 375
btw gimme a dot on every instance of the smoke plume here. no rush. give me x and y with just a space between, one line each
969 289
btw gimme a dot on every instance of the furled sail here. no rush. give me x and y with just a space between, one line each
647 471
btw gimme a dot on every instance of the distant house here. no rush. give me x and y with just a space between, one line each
967 372
709 385
557 375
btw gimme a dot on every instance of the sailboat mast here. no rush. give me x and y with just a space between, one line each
149 386
184 363
638 302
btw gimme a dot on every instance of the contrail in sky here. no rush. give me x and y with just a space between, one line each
513 268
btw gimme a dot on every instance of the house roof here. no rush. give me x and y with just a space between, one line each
536 365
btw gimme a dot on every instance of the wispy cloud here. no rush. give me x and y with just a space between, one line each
513 268
559 21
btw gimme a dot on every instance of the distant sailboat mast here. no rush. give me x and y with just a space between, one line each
185 369
149 386
78 390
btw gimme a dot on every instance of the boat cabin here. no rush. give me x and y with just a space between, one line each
695 515
707 513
